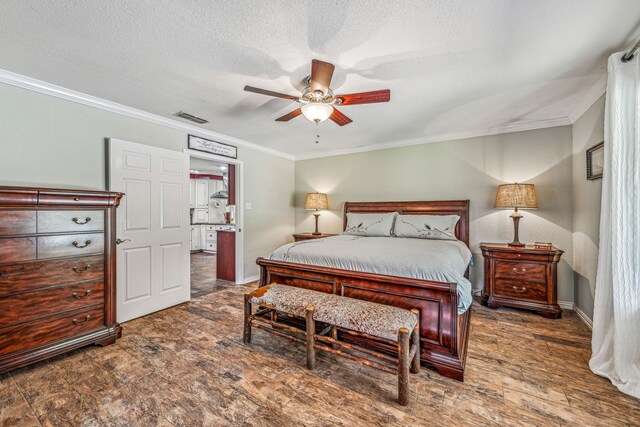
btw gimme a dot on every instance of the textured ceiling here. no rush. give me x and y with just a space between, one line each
452 66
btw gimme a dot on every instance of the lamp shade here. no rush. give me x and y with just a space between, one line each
517 196
316 201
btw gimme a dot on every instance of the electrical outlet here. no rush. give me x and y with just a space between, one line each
248 206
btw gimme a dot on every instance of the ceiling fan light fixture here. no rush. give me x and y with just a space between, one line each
317 111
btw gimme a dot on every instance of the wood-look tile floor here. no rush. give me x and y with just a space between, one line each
203 274
187 366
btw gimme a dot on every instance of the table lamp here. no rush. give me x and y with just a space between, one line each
516 196
316 201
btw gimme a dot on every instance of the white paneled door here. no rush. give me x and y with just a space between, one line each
153 266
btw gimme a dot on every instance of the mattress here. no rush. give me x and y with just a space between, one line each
436 260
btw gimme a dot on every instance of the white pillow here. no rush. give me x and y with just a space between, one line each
436 227
370 225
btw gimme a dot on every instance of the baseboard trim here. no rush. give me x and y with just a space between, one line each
583 316
251 279
567 305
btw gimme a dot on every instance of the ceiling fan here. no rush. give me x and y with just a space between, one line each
317 99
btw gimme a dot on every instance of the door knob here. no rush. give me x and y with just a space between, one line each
119 240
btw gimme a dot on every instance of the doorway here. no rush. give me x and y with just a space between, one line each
214 223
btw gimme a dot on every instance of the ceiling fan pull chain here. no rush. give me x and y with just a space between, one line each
317 133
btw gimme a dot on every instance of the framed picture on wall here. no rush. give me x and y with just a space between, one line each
213 147
595 161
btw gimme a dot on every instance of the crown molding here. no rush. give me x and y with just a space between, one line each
593 94
40 86
35 85
512 127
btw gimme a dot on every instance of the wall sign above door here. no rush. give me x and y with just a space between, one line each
213 147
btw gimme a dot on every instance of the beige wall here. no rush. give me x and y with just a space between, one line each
464 169
46 141
588 130
56 143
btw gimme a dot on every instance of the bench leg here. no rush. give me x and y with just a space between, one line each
246 337
334 335
415 338
403 366
311 332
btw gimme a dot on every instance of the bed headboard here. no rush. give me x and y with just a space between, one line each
438 207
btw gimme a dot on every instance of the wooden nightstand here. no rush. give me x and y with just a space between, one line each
522 277
308 236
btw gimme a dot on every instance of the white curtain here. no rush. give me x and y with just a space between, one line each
616 318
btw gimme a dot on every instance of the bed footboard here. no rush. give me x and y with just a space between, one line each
444 333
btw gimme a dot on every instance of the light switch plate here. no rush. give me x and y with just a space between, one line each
248 206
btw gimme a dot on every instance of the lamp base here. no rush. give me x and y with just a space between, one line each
516 222
316 232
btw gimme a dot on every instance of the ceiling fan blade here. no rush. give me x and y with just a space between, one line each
321 73
289 116
365 97
339 118
269 93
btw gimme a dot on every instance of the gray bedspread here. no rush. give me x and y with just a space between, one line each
437 260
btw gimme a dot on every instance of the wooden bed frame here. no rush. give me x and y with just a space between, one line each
444 333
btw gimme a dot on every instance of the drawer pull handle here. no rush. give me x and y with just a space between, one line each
77 221
76 296
81 270
79 246
520 290
522 271
82 322
76 199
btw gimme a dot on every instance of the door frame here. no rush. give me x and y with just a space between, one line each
239 203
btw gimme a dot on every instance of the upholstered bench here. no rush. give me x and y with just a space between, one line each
362 318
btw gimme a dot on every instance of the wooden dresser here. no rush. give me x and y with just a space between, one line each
57 272
521 277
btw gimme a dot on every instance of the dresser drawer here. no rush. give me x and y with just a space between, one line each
521 271
63 198
17 222
71 245
18 249
34 333
39 274
65 221
16 196
32 305
530 291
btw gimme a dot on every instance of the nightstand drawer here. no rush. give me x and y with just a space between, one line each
530 291
521 271
522 256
